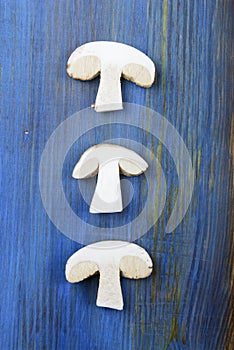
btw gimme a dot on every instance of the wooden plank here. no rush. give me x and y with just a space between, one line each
186 304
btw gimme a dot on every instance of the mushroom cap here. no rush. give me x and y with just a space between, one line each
86 62
133 261
130 163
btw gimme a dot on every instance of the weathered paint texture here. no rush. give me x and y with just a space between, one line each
186 303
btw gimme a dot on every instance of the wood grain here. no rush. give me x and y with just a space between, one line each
187 303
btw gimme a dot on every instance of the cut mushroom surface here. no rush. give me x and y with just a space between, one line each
108 160
111 259
111 60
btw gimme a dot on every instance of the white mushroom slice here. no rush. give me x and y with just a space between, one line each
109 160
112 60
111 259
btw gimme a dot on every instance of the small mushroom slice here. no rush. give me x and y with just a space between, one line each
111 259
111 60
109 161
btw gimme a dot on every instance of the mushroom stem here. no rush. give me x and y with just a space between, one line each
109 290
107 197
109 96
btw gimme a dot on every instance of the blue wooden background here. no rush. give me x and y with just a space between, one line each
186 303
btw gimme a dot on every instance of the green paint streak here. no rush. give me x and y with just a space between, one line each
173 296
158 155
159 148
197 159
212 164
164 51
159 152
183 334
172 283
174 329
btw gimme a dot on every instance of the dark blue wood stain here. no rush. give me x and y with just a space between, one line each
186 303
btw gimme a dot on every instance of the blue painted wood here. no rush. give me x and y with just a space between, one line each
186 304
